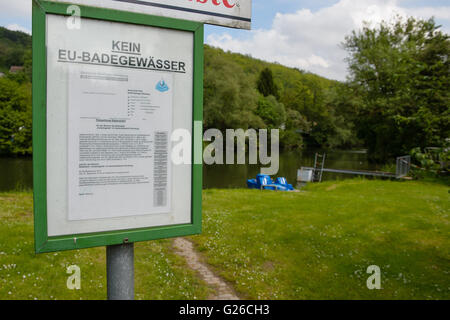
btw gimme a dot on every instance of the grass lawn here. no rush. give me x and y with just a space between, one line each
159 273
318 244
315 244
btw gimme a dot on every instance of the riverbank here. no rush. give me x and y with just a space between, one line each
315 244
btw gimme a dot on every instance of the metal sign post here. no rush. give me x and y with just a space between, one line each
120 271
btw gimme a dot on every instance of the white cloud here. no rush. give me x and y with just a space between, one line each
310 40
16 27
17 11
16 8
437 12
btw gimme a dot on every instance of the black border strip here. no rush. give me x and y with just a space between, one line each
166 6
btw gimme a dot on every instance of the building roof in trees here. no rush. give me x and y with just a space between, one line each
15 69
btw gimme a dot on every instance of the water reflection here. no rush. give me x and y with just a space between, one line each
17 173
235 176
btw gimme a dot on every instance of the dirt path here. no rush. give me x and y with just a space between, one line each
185 248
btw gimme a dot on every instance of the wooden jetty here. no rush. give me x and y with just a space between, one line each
314 174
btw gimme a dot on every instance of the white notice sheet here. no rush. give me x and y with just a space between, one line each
119 133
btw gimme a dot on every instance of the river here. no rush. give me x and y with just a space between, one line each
17 173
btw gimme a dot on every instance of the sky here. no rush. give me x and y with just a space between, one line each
304 34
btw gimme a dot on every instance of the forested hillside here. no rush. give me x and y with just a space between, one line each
15 48
298 103
396 99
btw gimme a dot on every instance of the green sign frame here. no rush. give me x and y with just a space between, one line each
44 243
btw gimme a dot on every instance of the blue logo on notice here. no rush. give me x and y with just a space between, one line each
161 86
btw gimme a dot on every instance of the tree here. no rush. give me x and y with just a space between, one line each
400 71
271 111
230 98
266 85
296 125
15 117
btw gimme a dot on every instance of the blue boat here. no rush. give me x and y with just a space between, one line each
265 182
